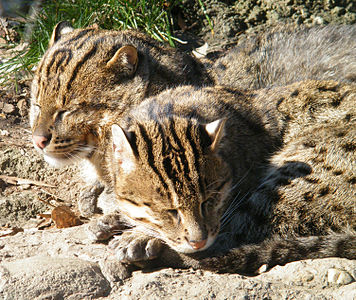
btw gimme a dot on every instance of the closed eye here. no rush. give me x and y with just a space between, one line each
206 207
60 115
174 213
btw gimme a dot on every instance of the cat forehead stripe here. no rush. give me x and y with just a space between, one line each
151 160
177 167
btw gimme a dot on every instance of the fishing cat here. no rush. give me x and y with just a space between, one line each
88 74
201 172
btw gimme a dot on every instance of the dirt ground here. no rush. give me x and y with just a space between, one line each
26 180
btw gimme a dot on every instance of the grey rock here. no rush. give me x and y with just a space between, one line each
43 277
63 263
7 108
341 277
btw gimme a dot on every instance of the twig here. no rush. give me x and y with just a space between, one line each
18 181
44 201
54 196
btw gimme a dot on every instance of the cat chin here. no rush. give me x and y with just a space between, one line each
61 162
57 163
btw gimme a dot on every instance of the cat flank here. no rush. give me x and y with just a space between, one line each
288 54
230 181
89 75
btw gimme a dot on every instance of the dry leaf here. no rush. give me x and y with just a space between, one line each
63 217
46 222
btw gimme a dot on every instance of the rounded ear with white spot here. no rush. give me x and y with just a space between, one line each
215 130
59 30
125 60
123 153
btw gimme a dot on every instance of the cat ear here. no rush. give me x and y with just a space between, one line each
125 59
59 30
215 131
123 152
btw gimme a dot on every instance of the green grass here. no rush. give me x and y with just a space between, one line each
151 16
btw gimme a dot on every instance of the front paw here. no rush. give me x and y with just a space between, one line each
105 227
135 247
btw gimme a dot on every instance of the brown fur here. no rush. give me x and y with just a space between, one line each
282 166
88 74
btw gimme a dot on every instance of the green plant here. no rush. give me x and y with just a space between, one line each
151 16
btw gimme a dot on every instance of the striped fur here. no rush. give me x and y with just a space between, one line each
86 78
88 74
277 170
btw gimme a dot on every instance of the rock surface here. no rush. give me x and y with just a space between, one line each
64 264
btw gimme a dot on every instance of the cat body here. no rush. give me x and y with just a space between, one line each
91 69
288 54
256 160
88 75
210 170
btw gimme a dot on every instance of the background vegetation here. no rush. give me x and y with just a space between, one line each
220 23
157 18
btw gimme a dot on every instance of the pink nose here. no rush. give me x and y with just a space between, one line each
40 141
196 245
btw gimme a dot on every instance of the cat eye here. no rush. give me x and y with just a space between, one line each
174 213
60 115
206 206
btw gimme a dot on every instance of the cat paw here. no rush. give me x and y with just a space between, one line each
104 228
133 247
88 197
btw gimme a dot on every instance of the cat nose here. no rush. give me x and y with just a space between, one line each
40 141
196 245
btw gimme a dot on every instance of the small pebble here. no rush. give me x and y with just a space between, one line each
307 277
4 132
8 108
25 187
340 277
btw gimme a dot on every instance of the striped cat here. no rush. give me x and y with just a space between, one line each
206 171
89 75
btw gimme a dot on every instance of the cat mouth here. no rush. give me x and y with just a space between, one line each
61 159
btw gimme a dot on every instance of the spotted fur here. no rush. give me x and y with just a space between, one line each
213 169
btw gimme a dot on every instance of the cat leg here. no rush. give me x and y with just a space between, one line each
251 259
88 198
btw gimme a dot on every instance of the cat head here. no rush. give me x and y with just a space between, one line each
170 181
77 76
